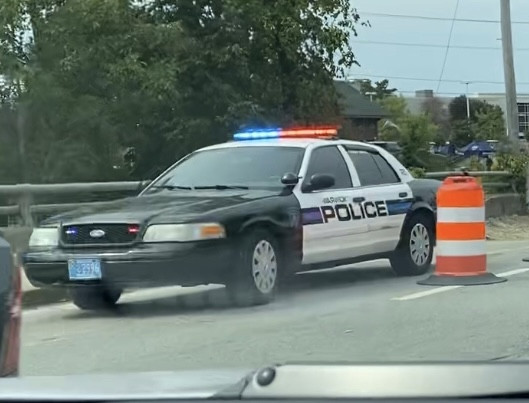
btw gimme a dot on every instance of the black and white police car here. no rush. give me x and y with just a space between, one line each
247 214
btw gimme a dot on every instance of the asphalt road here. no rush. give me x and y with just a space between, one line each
362 313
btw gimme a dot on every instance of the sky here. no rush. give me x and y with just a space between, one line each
392 46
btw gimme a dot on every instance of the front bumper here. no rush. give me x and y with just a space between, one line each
143 265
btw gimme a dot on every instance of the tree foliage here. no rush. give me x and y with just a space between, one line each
87 80
413 132
380 90
439 115
486 121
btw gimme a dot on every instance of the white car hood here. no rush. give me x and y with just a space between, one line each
128 386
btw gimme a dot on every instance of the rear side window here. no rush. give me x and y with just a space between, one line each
329 160
372 168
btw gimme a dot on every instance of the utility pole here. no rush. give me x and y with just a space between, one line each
508 70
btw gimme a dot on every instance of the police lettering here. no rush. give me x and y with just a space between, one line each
354 211
327 212
382 209
330 200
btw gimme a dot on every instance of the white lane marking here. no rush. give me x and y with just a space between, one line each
461 248
427 293
438 290
513 272
461 214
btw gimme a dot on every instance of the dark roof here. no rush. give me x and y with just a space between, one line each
355 105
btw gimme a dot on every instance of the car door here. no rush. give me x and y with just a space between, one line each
387 198
331 229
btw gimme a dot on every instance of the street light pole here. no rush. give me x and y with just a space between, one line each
508 71
468 100
371 93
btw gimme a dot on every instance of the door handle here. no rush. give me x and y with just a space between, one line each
403 194
359 199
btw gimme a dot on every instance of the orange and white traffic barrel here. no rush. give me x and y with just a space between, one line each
461 255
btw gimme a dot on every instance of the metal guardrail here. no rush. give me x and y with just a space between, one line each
25 193
27 210
506 184
445 174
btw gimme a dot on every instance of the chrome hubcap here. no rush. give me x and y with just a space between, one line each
419 244
264 267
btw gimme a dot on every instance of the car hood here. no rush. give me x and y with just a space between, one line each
197 384
168 206
287 381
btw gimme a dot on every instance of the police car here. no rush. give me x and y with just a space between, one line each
248 214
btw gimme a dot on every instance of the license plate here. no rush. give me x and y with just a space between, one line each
84 269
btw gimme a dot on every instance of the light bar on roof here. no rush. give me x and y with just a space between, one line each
320 132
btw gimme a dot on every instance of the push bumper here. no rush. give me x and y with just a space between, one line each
144 265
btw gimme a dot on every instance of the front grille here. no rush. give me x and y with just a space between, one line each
99 234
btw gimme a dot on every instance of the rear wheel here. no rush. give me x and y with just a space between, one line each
95 297
255 278
414 255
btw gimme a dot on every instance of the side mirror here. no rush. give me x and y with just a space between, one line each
319 182
289 179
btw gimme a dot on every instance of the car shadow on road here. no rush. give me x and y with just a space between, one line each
208 301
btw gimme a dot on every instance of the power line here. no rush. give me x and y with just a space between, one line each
432 45
448 46
457 94
435 79
425 17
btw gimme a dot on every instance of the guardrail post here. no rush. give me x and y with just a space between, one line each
25 201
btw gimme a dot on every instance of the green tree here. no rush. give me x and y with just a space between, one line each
486 121
396 108
161 77
461 132
378 91
439 115
413 132
489 123
111 84
417 132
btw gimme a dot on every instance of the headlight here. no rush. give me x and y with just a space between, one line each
183 232
44 237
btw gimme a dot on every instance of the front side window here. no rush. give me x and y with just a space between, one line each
329 160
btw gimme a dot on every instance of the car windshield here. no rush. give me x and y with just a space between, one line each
223 184
242 166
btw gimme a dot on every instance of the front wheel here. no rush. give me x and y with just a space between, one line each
414 255
95 297
255 278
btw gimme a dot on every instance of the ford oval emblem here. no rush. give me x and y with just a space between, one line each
97 233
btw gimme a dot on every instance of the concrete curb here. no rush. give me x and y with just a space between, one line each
32 296
44 296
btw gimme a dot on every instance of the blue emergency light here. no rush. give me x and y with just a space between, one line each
319 132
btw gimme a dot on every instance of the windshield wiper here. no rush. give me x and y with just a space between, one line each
222 187
171 187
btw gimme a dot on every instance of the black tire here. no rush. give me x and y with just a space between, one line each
402 262
95 297
242 287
